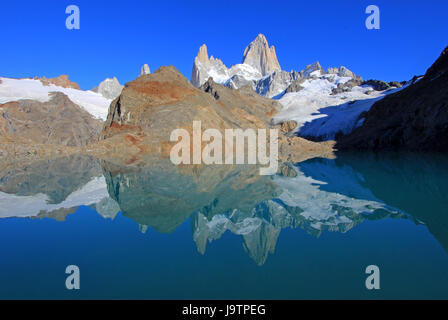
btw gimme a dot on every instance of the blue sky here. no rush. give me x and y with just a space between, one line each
117 37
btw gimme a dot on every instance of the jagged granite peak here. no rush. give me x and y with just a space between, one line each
261 71
259 55
203 54
203 68
110 88
145 70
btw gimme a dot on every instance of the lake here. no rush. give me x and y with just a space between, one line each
225 232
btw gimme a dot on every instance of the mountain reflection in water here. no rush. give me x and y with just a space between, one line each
317 195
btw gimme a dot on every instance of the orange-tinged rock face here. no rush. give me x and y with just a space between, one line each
162 92
61 81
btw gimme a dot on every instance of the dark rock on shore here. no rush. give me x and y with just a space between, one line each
415 118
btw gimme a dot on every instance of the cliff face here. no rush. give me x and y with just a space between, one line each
57 122
415 118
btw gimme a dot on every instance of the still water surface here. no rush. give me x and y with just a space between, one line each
164 232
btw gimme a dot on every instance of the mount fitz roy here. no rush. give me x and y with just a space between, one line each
260 69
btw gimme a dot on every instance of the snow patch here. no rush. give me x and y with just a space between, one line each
18 89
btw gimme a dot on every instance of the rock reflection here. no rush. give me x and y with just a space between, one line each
317 195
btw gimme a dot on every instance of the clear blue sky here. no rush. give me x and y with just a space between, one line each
117 37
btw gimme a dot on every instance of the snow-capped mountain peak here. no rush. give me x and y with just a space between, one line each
260 70
259 55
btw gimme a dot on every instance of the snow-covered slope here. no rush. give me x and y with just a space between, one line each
321 113
17 89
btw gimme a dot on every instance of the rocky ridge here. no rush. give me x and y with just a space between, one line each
414 119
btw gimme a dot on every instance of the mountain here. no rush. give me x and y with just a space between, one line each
205 67
42 119
260 70
157 103
259 55
34 89
109 88
259 60
58 121
152 106
415 118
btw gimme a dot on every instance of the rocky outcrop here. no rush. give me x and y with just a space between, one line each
346 86
61 81
58 122
296 86
288 126
109 88
165 100
259 55
276 82
377 85
380 85
151 107
415 118
144 70
344 72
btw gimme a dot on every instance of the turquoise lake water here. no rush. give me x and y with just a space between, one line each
227 233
